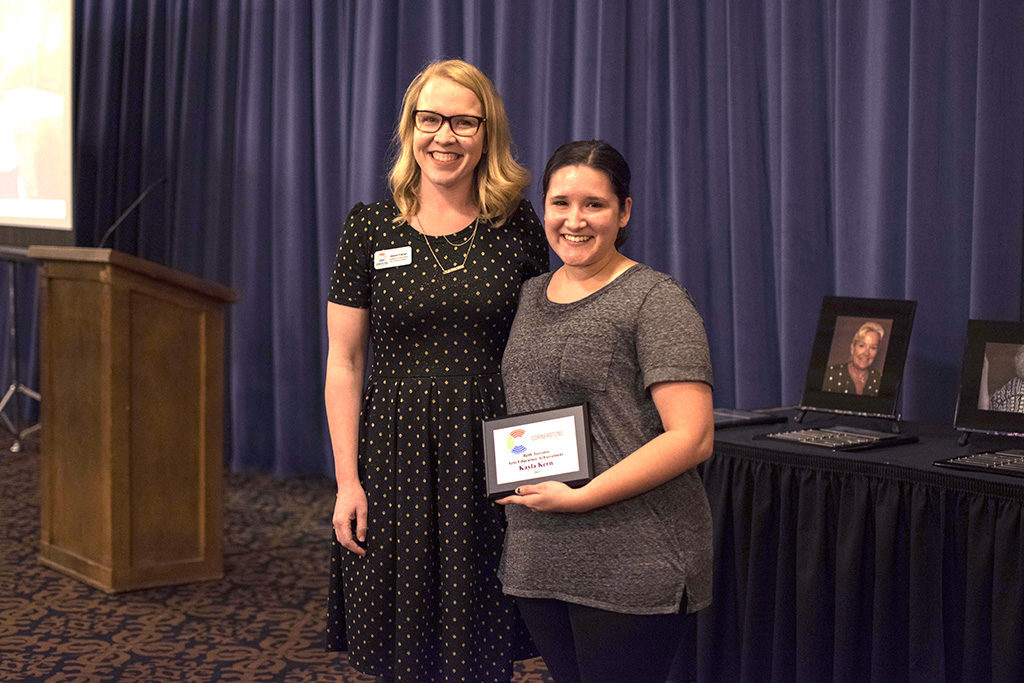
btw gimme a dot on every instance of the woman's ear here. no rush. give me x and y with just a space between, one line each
627 207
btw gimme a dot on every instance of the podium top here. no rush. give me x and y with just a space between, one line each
134 264
19 254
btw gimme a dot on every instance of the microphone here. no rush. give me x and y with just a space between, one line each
127 212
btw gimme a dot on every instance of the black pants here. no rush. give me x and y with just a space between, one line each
591 645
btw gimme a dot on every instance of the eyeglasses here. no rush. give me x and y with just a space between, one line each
463 125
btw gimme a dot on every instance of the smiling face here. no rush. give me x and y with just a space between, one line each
446 160
582 216
864 350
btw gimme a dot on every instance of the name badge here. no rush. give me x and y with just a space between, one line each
391 258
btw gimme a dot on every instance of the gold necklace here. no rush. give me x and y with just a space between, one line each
861 376
453 269
456 244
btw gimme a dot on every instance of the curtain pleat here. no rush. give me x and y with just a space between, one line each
253 403
926 647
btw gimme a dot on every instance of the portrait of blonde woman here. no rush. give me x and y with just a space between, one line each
858 373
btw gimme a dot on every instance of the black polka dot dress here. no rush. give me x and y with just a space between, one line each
425 603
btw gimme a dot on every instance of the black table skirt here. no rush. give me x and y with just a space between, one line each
864 566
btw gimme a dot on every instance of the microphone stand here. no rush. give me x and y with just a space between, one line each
127 212
13 256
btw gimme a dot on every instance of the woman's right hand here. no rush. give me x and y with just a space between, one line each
350 506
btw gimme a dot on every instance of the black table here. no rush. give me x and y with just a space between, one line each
874 565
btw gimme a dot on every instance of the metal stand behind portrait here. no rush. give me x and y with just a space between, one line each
14 256
891 419
965 434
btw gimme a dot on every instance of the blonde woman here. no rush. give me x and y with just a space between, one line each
856 376
430 277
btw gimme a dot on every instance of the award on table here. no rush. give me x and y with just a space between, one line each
543 445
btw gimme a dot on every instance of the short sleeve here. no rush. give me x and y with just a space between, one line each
670 339
535 244
350 281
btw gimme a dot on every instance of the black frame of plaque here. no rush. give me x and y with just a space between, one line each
884 405
970 418
581 415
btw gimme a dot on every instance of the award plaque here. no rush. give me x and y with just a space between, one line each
543 445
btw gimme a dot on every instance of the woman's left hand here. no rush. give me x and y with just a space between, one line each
547 496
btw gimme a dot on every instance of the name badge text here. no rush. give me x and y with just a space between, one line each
391 258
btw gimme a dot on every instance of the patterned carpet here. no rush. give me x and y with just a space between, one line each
262 622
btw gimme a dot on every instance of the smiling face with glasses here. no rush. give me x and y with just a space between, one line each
463 125
448 138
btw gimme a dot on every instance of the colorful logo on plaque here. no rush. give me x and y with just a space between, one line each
514 443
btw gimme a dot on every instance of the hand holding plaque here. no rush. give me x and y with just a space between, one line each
538 446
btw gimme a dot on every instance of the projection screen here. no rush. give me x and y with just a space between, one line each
36 122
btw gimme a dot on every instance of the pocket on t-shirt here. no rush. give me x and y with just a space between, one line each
585 363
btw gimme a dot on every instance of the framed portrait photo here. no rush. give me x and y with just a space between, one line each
991 397
544 445
860 350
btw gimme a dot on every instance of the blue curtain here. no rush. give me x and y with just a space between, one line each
782 150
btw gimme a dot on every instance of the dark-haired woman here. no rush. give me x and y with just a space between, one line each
605 573
431 277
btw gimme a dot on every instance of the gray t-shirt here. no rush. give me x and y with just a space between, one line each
635 556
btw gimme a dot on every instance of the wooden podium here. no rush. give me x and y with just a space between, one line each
132 385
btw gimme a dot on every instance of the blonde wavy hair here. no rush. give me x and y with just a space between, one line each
499 180
869 326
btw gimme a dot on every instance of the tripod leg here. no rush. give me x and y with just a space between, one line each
12 353
7 396
31 393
